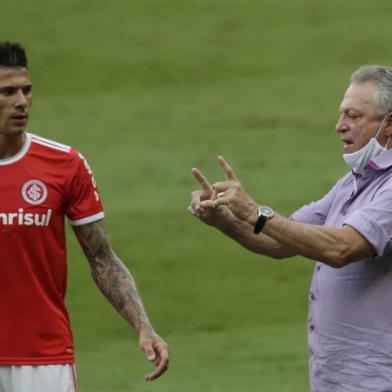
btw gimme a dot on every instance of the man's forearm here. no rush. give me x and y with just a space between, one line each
242 232
111 275
333 246
118 286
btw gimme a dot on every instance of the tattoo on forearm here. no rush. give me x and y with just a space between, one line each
110 274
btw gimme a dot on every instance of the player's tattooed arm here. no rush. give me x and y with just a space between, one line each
110 274
118 286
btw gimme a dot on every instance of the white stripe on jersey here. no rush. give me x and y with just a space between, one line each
50 143
88 219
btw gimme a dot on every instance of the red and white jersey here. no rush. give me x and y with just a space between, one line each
39 186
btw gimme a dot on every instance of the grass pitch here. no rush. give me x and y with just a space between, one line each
147 90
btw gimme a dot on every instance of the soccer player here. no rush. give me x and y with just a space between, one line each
43 181
348 235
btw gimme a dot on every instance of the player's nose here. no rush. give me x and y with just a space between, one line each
21 100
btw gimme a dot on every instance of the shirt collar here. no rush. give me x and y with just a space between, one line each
382 161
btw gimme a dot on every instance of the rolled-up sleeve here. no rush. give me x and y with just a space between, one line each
316 212
374 221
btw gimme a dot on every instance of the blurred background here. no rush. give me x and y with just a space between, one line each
148 89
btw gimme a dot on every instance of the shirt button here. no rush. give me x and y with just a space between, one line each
312 296
318 268
311 327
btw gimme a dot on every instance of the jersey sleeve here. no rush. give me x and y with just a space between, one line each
83 201
374 221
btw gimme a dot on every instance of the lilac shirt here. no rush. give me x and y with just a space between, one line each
350 308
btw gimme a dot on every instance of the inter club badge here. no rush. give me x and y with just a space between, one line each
34 192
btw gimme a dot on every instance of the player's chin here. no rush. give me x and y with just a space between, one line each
14 131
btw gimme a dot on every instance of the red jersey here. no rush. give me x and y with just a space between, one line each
39 186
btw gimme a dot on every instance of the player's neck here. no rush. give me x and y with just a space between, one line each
10 145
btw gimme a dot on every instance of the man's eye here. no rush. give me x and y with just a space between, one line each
7 91
27 90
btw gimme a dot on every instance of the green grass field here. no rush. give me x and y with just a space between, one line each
147 89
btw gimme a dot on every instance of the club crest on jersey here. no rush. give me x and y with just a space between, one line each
34 192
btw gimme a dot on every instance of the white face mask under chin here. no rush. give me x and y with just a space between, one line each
359 159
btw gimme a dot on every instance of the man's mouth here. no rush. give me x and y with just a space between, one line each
20 117
347 142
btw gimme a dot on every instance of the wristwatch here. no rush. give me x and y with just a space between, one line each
264 213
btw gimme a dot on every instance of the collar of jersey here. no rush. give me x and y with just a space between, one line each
20 154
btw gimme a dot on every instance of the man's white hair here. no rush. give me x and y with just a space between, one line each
382 76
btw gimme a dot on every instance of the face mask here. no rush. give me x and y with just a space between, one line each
359 159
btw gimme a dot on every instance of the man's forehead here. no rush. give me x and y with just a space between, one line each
359 95
14 76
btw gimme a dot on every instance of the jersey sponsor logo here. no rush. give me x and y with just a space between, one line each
34 192
21 218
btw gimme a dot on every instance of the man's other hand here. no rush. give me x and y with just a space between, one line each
231 194
210 216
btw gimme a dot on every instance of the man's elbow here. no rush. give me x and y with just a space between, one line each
343 255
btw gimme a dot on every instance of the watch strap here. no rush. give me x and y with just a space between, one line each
260 224
264 213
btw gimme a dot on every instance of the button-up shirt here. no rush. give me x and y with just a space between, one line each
350 308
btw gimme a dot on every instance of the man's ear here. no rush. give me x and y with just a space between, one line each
388 125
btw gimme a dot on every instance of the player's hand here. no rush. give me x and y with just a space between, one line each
231 194
210 216
156 351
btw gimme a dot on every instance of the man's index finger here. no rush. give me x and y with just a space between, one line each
229 172
202 180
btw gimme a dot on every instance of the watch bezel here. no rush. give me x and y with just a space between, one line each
265 211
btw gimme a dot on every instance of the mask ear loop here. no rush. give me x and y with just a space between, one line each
382 124
387 143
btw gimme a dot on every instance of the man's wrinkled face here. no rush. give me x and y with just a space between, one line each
15 100
358 121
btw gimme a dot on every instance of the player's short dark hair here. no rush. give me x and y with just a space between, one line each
12 55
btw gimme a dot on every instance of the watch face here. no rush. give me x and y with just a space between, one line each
265 211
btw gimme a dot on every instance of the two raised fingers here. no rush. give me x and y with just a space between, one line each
207 196
202 180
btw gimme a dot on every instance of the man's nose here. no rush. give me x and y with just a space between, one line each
21 100
341 125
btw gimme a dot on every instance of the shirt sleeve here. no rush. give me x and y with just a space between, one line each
84 203
316 212
374 221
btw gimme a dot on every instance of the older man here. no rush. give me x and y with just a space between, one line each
42 181
348 234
